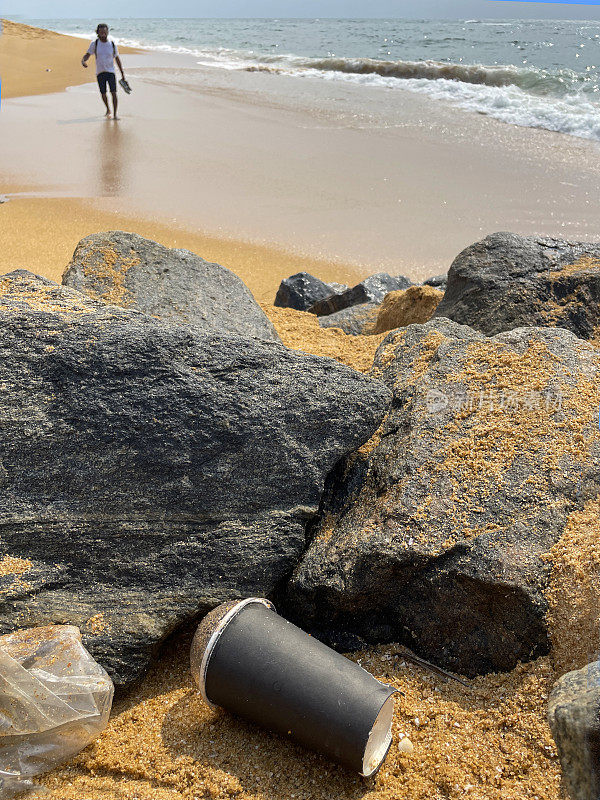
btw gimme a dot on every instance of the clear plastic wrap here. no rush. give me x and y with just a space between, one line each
54 700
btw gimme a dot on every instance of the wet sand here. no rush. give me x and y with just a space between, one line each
367 180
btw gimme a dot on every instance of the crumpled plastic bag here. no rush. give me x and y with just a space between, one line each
54 700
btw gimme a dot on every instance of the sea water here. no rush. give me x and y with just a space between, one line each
533 73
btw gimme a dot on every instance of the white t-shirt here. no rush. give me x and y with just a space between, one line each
104 55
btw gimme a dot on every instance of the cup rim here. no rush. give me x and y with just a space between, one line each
216 635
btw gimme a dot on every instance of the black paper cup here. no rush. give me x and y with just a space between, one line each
249 660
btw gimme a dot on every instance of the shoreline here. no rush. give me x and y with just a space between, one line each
49 246
335 179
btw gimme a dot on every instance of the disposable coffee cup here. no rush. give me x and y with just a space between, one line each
250 661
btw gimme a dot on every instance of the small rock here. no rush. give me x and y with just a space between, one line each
405 745
354 321
302 290
438 281
372 290
574 717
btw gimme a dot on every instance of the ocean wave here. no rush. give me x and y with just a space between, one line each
574 115
559 100
543 82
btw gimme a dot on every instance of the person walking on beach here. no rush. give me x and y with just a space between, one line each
106 54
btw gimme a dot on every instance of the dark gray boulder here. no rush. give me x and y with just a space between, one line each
437 281
507 281
129 271
302 290
574 718
434 533
356 320
150 472
372 290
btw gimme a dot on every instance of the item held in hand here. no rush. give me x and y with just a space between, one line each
126 87
54 700
252 662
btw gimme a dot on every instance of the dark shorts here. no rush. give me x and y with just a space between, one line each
107 78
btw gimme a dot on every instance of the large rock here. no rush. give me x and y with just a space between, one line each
150 472
507 281
128 271
407 307
435 532
574 717
372 290
355 321
302 290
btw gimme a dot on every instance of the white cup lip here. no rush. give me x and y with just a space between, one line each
380 738
216 635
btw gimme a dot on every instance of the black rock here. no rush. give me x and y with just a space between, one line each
507 281
302 290
434 533
574 717
355 320
438 281
176 285
150 472
371 290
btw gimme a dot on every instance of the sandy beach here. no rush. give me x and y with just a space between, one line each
238 169
347 184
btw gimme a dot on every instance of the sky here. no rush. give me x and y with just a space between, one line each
421 9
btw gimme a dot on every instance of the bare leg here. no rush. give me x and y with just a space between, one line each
115 104
105 99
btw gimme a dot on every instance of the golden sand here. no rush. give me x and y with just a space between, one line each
300 330
54 226
108 265
407 307
37 61
487 740
582 264
574 591
12 565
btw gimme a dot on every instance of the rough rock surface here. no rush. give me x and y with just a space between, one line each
129 271
150 472
574 717
507 281
413 305
302 290
435 533
437 281
372 290
356 320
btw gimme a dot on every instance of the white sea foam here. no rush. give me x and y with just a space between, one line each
561 100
